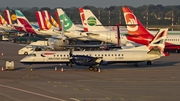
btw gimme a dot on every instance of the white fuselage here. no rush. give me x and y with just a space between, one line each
73 34
111 37
47 32
6 28
121 56
58 42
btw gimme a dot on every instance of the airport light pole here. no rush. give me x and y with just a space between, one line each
178 20
99 13
172 17
109 17
120 16
147 19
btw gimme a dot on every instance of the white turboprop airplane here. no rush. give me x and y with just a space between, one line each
95 58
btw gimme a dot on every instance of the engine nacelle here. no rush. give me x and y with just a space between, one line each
124 41
58 42
82 60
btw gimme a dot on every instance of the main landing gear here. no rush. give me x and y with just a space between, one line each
31 68
149 63
178 51
93 68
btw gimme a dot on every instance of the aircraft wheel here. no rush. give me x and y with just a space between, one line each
95 69
91 68
25 53
149 63
67 64
178 51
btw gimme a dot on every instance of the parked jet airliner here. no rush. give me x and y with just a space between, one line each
139 33
31 29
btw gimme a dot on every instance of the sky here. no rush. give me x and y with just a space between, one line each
81 3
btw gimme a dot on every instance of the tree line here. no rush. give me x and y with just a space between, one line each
157 14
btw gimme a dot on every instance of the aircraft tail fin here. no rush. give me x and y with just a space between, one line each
46 14
40 19
2 20
8 17
58 20
49 19
22 20
130 18
68 24
157 45
90 21
83 20
55 24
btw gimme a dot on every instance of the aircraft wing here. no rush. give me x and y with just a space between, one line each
96 60
86 60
